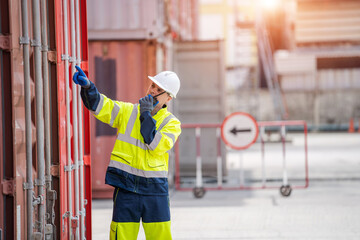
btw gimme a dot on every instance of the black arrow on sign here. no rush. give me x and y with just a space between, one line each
235 131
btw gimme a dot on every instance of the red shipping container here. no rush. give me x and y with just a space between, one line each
13 157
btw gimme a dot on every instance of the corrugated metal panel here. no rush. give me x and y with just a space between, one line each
201 69
245 51
185 19
124 19
119 69
201 96
327 21
330 79
298 82
339 79
287 63
324 107
62 204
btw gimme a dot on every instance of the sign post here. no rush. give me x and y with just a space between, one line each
239 130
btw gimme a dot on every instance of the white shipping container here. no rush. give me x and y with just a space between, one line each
335 79
298 82
335 21
328 79
290 63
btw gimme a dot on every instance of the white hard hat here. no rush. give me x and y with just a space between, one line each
168 81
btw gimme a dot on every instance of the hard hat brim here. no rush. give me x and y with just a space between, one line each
160 85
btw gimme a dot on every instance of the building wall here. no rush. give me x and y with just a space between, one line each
326 97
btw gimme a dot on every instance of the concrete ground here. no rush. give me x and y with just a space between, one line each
328 209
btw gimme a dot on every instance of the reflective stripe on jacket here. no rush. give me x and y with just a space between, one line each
135 165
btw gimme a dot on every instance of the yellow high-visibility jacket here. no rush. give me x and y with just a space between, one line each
134 165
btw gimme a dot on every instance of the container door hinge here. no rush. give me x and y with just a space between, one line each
35 43
37 225
38 200
37 235
8 187
28 186
72 59
69 168
65 57
49 231
24 41
51 196
83 212
5 42
39 182
65 215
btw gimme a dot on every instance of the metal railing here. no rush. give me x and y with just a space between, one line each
199 189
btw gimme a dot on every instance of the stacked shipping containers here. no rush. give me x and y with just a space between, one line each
129 40
33 143
320 75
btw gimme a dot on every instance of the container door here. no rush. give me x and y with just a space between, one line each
7 131
69 224
201 69
3 215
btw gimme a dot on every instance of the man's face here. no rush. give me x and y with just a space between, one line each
163 98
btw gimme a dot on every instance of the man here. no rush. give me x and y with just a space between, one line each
139 161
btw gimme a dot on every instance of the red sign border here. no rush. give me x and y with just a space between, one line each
222 130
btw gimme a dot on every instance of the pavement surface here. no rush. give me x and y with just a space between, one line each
328 209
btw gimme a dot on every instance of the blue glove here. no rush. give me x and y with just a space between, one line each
146 104
81 78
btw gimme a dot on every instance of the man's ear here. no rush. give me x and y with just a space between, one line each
169 98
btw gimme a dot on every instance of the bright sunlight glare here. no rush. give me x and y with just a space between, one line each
269 4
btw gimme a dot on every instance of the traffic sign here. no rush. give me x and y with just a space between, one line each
239 130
